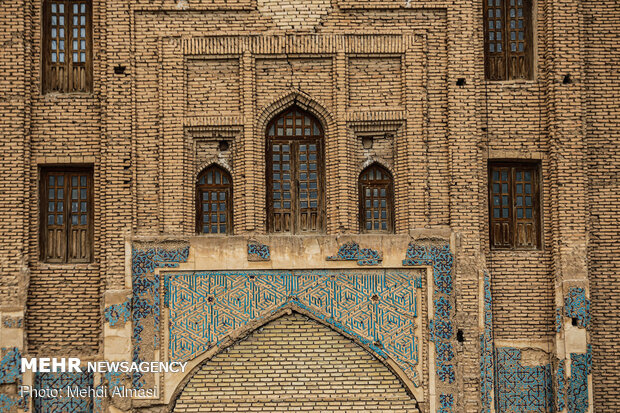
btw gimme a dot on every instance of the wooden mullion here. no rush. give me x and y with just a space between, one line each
506 39
295 210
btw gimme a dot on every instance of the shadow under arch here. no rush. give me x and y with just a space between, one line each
290 308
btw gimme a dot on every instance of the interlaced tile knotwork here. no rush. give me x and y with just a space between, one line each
258 252
522 389
576 305
118 313
351 251
63 403
578 389
379 307
441 328
487 349
145 306
560 385
10 373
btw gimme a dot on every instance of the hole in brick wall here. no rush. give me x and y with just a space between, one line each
119 70
223 146
460 81
460 337
367 142
567 80
484 129
574 321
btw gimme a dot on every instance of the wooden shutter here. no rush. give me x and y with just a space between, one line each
79 226
525 189
508 40
66 215
53 217
500 221
67 46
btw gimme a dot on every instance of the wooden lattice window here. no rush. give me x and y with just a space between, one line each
514 195
295 199
66 232
214 201
376 200
67 46
508 39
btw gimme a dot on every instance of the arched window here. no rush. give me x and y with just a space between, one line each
376 190
214 201
295 199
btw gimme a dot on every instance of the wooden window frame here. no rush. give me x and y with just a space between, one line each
389 201
66 83
507 58
512 165
294 141
67 171
228 188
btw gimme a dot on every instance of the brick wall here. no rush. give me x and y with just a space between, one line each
294 363
602 80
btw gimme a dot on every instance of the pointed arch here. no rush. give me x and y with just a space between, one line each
295 165
214 195
376 193
247 330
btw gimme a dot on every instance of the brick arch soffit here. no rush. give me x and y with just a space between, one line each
214 160
375 160
245 331
302 101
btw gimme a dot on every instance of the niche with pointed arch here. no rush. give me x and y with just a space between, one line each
293 363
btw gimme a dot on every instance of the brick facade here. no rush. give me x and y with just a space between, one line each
409 74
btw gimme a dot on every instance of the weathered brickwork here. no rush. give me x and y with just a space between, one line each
180 85
296 364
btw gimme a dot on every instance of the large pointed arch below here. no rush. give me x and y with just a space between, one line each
289 358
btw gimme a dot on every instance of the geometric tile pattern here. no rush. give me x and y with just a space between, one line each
118 313
10 373
351 251
63 403
441 329
576 305
379 307
560 385
487 349
522 388
145 306
258 252
558 319
446 403
578 390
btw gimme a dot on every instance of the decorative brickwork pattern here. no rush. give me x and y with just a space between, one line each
298 365
63 403
378 307
521 388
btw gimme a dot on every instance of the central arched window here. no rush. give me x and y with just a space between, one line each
214 201
376 190
295 199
